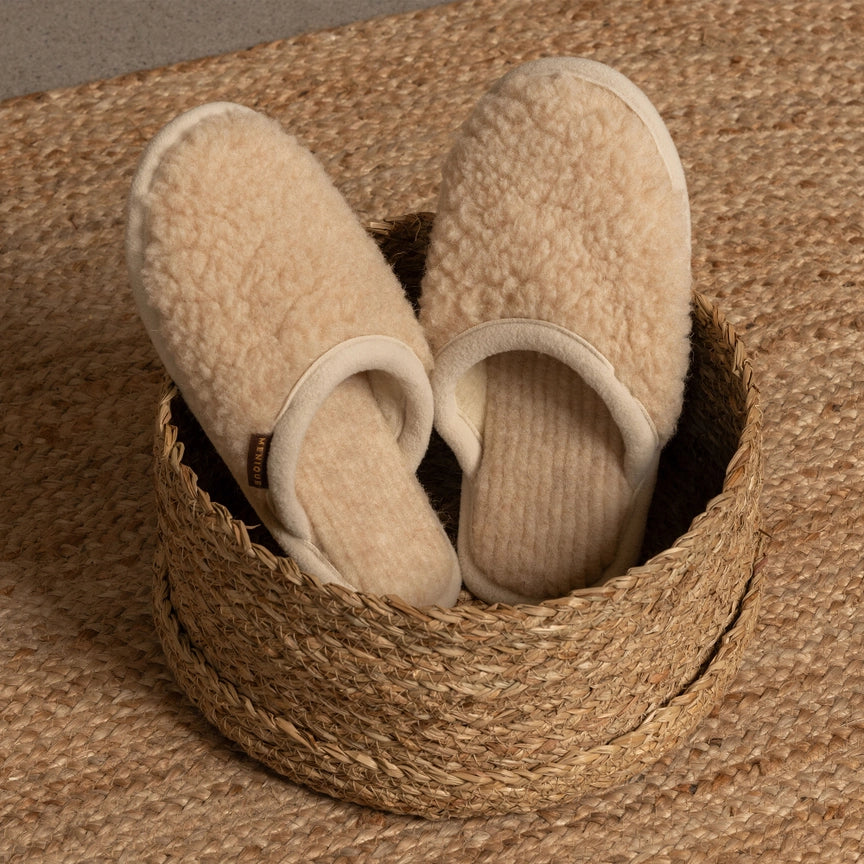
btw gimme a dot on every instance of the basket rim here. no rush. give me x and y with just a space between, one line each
737 476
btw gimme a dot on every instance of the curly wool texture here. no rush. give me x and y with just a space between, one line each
279 289
567 217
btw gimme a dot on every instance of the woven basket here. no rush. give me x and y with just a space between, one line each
476 709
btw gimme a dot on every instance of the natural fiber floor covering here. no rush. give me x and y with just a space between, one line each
104 759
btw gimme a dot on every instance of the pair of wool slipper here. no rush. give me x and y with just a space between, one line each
550 352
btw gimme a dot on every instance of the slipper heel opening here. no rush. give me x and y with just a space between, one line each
551 493
366 508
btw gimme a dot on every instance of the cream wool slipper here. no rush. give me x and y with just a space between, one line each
556 301
294 345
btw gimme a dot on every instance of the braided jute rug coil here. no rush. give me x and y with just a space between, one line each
102 756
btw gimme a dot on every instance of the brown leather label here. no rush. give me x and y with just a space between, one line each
256 460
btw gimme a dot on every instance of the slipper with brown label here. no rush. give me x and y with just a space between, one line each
293 344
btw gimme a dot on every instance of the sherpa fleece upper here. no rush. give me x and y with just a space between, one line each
542 217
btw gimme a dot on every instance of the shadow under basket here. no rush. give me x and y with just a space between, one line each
474 710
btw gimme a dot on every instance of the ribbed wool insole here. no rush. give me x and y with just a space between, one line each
368 511
550 494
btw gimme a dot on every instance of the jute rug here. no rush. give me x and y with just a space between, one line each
104 759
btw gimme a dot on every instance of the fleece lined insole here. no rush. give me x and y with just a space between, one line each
368 511
550 492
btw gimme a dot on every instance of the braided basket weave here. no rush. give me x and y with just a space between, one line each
476 709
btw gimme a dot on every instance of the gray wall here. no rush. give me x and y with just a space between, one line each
58 43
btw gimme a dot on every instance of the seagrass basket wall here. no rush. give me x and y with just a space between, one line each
476 709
